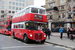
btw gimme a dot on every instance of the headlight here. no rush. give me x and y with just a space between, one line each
44 35
30 35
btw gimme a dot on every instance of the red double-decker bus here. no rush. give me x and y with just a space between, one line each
27 24
5 25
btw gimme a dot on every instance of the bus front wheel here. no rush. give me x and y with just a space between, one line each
25 39
43 41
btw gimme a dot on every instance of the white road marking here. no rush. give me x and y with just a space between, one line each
63 47
23 46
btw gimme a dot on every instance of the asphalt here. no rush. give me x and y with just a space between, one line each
8 43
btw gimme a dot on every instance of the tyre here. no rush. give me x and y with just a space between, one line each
5 33
13 35
25 39
43 41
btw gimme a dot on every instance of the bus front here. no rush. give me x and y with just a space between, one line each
38 19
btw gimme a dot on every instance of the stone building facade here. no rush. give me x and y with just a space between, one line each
65 15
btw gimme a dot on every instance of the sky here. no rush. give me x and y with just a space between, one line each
39 2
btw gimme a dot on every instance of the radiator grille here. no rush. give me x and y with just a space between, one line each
38 36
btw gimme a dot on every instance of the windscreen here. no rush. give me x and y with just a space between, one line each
35 26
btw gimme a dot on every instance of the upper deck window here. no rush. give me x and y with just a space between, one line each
38 11
34 10
27 10
42 11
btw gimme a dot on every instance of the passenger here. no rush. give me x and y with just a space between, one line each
43 29
46 31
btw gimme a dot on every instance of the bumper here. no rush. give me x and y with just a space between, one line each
37 38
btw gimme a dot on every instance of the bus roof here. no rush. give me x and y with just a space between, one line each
31 6
35 7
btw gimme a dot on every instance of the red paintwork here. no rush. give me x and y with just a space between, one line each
3 30
19 33
29 17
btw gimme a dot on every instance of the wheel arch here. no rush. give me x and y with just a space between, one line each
25 34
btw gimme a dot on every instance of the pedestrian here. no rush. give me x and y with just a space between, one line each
43 29
72 33
68 32
61 32
48 33
71 30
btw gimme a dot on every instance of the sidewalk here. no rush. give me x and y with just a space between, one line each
58 34
55 39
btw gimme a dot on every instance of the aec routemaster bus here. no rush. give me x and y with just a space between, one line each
27 24
5 25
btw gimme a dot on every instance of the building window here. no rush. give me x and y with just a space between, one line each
2 2
63 15
69 0
73 10
16 8
2 11
73 7
23 4
19 8
13 12
13 7
13 3
20 4
16 0
20 0
2 16
23 0
9 2
69 17
62 7
53 4
74 0
17 4
2 7
9 11
9 7
62 1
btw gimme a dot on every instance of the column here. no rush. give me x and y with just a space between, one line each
68 25
49 24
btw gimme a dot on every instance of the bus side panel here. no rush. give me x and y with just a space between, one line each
44 18
21 18
8 32
16 33
24 31
1 31
19 33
